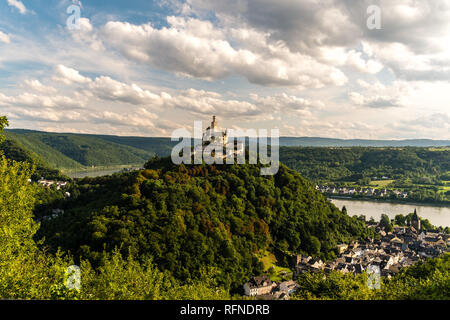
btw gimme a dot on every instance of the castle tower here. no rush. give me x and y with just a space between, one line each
214 123
219 136
415 221
214 133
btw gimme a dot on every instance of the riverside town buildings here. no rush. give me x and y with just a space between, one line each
402 247
390 252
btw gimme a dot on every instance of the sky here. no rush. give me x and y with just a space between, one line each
318 68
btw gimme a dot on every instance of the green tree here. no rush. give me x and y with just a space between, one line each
3 123
400 220
385 223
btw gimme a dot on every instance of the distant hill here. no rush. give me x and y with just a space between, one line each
329 142
77 151
12 150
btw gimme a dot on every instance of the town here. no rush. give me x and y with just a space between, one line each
389 253
363 192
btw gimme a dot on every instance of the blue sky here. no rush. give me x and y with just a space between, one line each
309 68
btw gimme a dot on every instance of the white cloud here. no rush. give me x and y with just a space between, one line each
36 85
139 118
33 100
68 75
432 126
414 39
196 48
286 103
377 95
355 60
110 89
282 46
5 38
18 5
207 103
87 35
132 105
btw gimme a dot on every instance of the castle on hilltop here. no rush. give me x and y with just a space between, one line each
217 137
215 134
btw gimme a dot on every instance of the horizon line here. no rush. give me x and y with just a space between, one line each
297 137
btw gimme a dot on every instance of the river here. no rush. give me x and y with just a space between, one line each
437 215
94 173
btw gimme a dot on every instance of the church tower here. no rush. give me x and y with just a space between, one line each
415 221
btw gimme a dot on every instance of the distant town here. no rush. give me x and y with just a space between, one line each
401 248
363 192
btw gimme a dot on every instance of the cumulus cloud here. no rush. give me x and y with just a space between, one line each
5 38
18 5
355 60
68 75
196 48
33 100
377 95
46 115
320 47
286 103
207 103
431 126
413 40
138 118
136 106
110 89
36 85
315 126
195 101
87 35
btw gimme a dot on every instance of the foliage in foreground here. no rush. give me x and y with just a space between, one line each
28 272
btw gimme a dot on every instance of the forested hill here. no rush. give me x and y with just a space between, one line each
351 164
329 142
424 173
14 151
189 218
75 151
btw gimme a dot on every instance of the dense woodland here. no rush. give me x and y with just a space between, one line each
175 232
189 217
12 150
424 172
73 151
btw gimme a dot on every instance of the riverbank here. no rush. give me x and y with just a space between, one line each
437 215
99 171
394 201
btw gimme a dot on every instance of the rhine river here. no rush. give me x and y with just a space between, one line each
437 215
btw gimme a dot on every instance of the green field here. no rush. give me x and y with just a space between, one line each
270 262
381 183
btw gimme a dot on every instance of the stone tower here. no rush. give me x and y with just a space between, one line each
415 221
214 123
